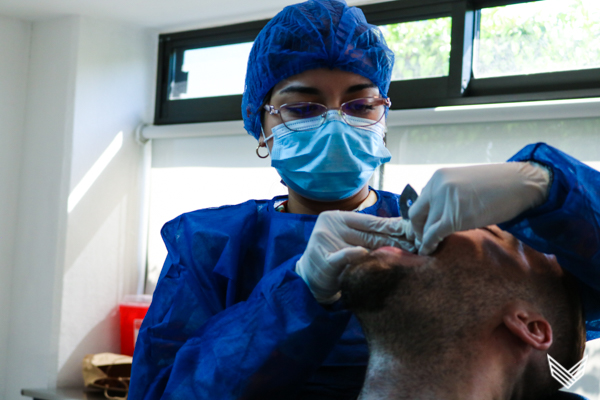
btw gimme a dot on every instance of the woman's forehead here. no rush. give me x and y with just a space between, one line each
324 79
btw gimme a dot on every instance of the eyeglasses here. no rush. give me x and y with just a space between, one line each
358 112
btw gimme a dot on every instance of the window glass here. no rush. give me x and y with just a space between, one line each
422 48
536 37
212 71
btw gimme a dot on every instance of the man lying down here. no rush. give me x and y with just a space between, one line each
475 320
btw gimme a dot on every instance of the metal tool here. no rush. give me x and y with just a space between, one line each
407 198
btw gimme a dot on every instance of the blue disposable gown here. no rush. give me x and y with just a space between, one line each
230 319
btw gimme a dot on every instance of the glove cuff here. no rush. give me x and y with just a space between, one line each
540 177
322 300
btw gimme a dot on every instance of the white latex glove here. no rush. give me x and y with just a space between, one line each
341 237
457 199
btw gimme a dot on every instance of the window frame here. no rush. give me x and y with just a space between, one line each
458 88
170 53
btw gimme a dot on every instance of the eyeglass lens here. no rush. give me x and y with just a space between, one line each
371 109
367 111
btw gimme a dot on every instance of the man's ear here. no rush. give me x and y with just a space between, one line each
527 324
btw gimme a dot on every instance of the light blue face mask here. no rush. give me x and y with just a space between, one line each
330 162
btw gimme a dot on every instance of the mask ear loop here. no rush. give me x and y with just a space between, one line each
266 145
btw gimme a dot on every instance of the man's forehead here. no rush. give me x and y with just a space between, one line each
494 246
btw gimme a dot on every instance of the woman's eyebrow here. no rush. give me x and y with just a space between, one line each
362 86
313 90
299 89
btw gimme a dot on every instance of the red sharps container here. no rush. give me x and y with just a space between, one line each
133 309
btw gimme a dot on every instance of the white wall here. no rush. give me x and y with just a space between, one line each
87 81
114 91
42 214
14 54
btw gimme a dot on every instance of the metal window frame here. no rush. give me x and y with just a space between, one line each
458 88
170 57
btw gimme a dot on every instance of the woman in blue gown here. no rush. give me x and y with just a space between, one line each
231 316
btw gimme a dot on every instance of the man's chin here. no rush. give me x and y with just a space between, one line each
368 282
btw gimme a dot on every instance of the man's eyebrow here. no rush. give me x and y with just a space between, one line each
299 89
362 86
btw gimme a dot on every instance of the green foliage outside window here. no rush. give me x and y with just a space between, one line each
543 36
421 48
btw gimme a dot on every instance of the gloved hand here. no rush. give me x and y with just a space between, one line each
457 199
341 237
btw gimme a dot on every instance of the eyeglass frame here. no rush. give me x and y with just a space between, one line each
274 111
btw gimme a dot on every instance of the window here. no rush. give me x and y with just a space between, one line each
187 88
553 35
212 71
447 53
421 48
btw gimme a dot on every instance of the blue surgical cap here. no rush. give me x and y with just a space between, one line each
309 35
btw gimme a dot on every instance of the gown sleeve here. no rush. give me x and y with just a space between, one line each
567 224
199 341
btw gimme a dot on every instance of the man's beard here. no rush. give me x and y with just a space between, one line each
422 315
